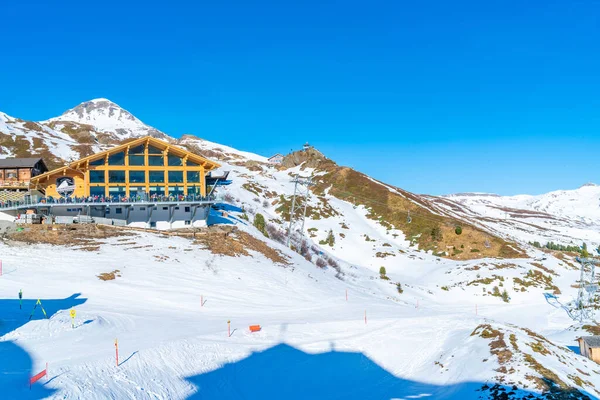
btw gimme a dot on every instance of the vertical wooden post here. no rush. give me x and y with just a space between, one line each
201 301
346 294
228 328
365 317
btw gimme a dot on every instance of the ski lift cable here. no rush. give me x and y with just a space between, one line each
401 210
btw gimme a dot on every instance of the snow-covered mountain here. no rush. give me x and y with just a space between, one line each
581 205
563 216
469 315
106 117
490 222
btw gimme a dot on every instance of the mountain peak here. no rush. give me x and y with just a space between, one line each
100 106
108 117
589 184
100 100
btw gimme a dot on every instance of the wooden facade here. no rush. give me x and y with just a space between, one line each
142 166
16 173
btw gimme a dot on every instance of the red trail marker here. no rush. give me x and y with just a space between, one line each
117 351
39 376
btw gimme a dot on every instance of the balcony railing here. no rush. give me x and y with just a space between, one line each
13 183
109 200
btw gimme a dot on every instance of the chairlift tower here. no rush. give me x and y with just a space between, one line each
299 204
584 305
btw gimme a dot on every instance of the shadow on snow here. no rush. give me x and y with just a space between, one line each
16 366
284 372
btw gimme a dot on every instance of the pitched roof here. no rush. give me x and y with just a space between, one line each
276 155
208 164
592 341
19 162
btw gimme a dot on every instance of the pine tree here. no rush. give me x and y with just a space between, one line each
382 274
330 238
259 223
436 234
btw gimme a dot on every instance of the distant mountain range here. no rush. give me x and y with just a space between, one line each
493 225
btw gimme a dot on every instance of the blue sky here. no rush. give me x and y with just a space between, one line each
432 96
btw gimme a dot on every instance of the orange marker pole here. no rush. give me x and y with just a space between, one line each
117 351
228 328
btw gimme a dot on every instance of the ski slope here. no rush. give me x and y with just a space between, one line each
313 344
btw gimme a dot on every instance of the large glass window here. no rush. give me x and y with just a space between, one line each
137 150
116 191
137 177
156 176
191 163
193 176
157 190
116 176
117 158
97 191
156 161
176 176
100 161
137 191
174 161
136 160
154 150
194 189
96 176
175 190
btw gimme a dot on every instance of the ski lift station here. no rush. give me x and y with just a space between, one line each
147 183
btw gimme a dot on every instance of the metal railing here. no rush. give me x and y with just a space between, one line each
91 200
13 183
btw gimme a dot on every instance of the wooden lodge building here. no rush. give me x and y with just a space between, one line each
16 174
146 182
143 166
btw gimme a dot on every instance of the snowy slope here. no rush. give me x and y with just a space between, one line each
581 205
431 340
106 117
20 138
564 216
314 343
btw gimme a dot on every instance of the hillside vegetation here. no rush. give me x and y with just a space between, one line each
391 207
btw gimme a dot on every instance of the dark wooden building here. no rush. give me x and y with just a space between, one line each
16 173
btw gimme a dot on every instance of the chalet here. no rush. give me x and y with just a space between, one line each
16 175
146 182
17 172
276 159
589 346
